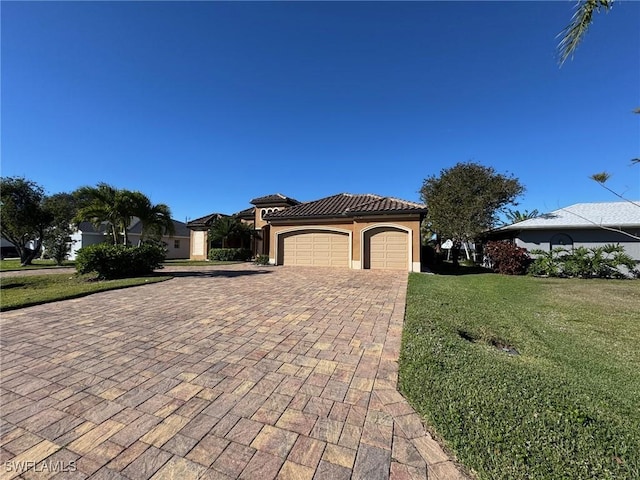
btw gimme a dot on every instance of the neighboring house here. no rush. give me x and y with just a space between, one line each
583 224
7 249
177 244
344 230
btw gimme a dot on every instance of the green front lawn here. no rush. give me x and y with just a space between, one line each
14 264
19 292
566 406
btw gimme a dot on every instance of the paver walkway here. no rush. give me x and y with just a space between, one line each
228 372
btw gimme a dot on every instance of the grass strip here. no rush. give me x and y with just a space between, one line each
25 291
525 377
13 264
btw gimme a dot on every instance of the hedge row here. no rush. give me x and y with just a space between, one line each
230 254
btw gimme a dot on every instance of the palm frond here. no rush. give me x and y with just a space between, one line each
573 34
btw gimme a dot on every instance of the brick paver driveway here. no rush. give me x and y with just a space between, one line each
227 372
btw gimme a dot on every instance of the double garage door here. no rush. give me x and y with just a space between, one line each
314 248
384 248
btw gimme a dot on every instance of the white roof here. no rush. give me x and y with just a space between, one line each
582 215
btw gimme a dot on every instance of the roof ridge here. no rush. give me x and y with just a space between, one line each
415 204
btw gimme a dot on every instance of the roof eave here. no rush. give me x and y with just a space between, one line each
345 215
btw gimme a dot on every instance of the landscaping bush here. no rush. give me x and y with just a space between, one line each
599 262
609 261
119 261
507 258
230 254
549 263
262 260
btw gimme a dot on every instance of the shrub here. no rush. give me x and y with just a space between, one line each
119 261
507 258
609 261
230 254
598 262
262 260
548 263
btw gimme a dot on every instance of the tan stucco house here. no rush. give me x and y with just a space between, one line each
345 230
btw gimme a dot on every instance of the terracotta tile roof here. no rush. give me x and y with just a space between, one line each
205 221
274 198
246 213
347 205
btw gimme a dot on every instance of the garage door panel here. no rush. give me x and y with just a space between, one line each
388 249
315 248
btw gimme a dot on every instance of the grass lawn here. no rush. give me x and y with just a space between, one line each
18 292
566 407
14 264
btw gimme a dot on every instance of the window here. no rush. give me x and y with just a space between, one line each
176 244
561 240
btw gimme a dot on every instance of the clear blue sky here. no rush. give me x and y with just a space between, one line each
205 105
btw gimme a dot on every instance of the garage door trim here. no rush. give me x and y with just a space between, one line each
275 260
410 266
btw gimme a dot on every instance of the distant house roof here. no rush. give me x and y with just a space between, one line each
276 198
180 228
347 205
205 221
584 215
87 227
247 213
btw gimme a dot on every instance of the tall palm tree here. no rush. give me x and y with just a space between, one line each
573 33
106 204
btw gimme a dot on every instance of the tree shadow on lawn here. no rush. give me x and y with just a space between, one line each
447 268
213 273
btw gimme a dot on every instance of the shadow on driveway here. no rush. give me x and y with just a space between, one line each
213 273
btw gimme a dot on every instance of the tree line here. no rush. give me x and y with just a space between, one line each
32 220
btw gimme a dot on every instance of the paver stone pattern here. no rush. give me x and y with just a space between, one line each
226 372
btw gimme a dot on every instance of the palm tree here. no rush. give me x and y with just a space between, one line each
106 204
224 229
573 33
117 208
515 216
156 219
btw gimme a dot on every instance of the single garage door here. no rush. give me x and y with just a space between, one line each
388 249
318 248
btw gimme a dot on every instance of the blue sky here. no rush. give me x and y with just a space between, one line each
205 105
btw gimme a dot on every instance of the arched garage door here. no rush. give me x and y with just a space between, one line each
386 248
314 248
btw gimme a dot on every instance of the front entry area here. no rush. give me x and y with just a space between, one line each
386 248
321 248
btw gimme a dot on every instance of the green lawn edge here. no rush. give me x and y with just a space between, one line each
99 286
565 407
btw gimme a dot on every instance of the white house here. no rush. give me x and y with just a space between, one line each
87 234
588 225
